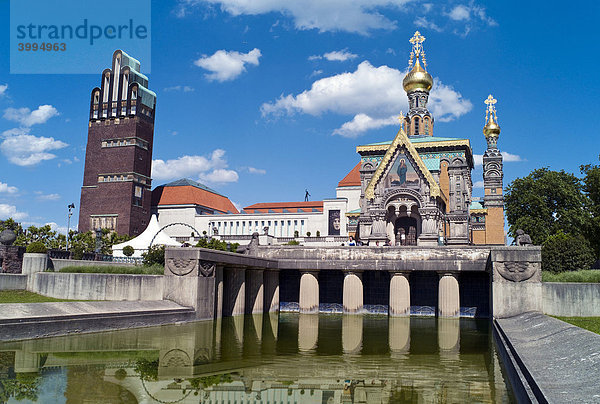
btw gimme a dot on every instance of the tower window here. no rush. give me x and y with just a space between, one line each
417 102
416 126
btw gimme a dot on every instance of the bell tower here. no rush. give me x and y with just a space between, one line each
417 84
493 199
117 178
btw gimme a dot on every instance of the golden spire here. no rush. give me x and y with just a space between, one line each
417 49
401 118
491 128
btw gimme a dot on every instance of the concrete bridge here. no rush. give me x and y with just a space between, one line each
493 281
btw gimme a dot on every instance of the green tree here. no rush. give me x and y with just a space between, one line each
591 189
154 256
545 202
566 252
128 251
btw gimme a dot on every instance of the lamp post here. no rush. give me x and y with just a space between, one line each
70 207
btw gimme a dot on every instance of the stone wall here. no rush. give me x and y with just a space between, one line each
571 299
98 286
58 264
13 281
11 257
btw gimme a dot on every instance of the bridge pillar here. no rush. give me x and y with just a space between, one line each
308 332
399 294
234 298
352 334
271 280
309 292
254 291
448 297
353 292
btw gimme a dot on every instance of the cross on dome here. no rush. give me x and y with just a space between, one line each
490 112
417 49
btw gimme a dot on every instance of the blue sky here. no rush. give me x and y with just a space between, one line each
262 99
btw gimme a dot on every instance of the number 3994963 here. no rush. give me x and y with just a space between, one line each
42 47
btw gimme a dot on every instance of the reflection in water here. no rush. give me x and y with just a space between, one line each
263 358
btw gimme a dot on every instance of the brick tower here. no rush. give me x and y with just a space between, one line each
117 179
493 199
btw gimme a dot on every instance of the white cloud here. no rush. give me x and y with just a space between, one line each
185 89
211 169
506 157
259 171
362 123
28 118
359 16
509 157
460 13
425 23
220 175
5 188
3 88
55 227
227 65
23 149
48 197
7 211
465 13
316 73
375 92
478 184
335 56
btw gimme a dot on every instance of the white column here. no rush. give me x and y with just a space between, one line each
399 294
309 292
449 296
353 292
271 279
352 334
308 331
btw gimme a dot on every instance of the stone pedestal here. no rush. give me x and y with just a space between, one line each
399 294
448 297
271 279
352 334
11 257
34 262
353 292
234 296
309 292
254 291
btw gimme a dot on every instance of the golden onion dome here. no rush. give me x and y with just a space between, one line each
491 128
417 79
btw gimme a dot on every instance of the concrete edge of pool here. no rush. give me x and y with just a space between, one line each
548 360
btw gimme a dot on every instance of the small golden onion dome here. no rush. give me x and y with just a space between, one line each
417 79
491 128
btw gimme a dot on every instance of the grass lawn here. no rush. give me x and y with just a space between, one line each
588 276
128 270
23 296
589 323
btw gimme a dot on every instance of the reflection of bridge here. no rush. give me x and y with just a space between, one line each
298 358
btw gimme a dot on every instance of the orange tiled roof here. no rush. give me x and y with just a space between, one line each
191 195
352 179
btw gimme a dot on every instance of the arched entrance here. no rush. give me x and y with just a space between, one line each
405 229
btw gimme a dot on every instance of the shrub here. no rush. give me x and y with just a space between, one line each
584 276
307 234
566 252
121 373
128 250
154 256
296 234
215 244
318 233
293 242
37 247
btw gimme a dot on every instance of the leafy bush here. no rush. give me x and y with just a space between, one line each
293 242
128 250
154 256
215 244
585 276
318 233
155 269
307 234
296 234
566 252
37 247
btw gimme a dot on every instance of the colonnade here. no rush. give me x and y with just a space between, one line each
246 291
399 300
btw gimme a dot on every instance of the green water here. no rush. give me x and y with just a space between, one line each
289 358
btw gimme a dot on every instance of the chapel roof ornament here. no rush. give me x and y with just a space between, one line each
417 79
491 128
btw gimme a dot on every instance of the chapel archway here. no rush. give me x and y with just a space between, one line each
406 230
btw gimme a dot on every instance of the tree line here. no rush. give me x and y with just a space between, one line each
561 212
